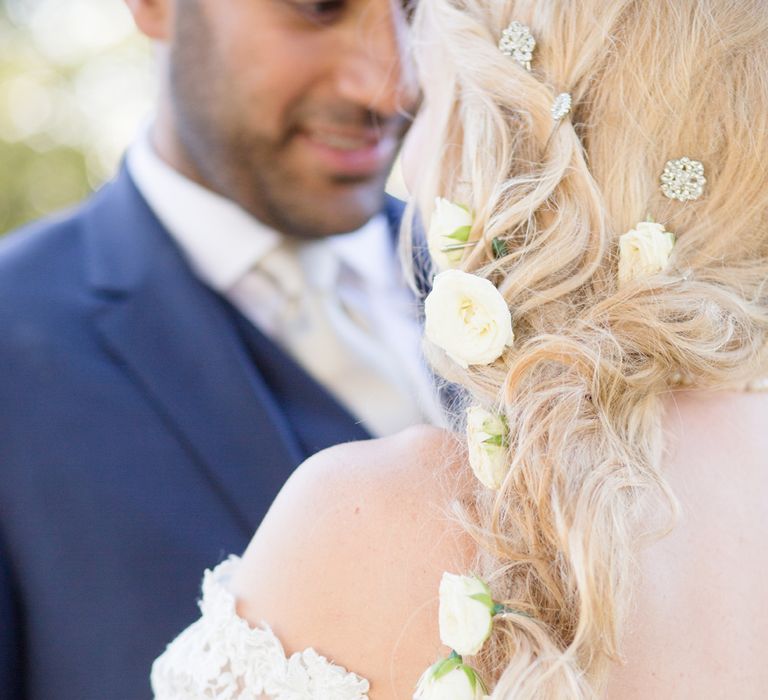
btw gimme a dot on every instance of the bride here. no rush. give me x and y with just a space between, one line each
595 526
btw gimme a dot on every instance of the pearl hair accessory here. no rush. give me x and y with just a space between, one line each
683 179
518 42
561 107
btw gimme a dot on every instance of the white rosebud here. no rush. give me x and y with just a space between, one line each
466 613
468 318
486 438
449 226
644 251
450 679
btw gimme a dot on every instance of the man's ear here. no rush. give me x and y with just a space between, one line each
153 17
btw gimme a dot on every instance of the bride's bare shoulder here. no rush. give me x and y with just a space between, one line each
350 556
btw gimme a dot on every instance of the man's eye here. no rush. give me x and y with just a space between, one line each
323 10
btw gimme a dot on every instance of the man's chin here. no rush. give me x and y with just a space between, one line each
333 215
334 205
329 223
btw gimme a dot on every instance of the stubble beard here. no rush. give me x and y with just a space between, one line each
233 159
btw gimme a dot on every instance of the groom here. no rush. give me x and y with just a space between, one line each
174 348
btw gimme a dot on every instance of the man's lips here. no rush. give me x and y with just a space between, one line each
350 152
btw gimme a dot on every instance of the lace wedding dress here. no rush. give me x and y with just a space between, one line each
220 657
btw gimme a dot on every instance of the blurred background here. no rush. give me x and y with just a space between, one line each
76 82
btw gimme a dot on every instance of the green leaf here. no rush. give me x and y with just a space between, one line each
497 440
461 234
483 598
499 248
471 676
444 667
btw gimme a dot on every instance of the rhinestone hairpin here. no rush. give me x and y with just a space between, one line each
683 179
561 107
518 42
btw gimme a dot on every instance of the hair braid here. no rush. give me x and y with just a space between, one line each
582 388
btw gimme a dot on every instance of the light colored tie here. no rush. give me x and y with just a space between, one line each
331 341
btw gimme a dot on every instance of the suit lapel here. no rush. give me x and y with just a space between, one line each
394 210
176 343
316 417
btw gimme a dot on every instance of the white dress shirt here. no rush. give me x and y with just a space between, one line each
229 250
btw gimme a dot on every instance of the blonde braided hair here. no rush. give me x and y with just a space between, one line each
581 389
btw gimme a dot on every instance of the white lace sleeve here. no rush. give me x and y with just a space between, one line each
220 657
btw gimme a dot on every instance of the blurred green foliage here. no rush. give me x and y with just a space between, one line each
75 82
34 183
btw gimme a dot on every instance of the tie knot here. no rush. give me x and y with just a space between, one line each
295 269
283 268
320 265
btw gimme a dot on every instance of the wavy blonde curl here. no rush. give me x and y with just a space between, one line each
582 388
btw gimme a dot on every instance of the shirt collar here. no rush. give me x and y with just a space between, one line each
220 240
369 253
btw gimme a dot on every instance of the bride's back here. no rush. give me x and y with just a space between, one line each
699 628
371 525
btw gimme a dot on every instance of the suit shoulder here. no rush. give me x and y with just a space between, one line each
39 236
40 253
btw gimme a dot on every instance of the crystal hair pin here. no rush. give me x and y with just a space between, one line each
683 179
561 107
518 42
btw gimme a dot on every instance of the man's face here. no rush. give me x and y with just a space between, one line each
293 109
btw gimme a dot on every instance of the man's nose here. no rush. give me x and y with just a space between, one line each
375 70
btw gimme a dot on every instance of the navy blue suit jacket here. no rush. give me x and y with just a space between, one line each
145 427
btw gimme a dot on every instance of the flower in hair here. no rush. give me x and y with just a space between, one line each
466 613
468 318
486 441
450 679
644 251
448 233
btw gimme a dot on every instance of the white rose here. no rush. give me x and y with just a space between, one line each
644 251
466 613
486 437
468 318
450 225
450 679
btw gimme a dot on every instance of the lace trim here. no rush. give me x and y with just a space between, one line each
221 657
